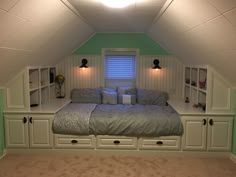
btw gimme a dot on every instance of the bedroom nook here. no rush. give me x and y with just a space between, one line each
151 80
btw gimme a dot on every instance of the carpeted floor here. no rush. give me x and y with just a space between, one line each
114 166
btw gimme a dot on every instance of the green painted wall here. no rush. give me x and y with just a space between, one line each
2 143
146 45
234 130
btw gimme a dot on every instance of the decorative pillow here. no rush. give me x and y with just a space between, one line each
151 97
86 95
109 97
126 90
127 99
109 89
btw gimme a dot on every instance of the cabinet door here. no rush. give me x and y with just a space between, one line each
219 133
16 130
194 137
40 131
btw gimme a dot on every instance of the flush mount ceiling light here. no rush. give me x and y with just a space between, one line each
118 3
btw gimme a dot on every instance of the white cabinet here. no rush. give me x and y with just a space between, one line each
16 131
32 87
195 131
212 133
31 130
219 133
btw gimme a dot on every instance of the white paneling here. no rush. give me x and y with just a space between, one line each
12 61
231 16
168 79
78 78
7 4
28 37
43 11
191 13
223 5
9 25
69 37
197 36
216 35
38 33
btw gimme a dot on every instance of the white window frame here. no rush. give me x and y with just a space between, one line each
120 51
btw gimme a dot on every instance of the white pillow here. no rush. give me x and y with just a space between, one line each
127 99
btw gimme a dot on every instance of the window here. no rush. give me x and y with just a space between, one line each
120 67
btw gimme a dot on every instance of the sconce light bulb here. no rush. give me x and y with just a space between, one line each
157 69
83 68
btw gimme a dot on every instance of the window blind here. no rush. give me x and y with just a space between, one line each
120 67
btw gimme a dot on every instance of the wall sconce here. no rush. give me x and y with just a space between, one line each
84 63
156 64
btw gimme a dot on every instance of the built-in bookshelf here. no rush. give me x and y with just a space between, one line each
41 84
195 85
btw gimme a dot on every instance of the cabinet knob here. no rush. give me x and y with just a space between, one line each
116 142
159 143
74 141
204 121
24 120
30 119
211 122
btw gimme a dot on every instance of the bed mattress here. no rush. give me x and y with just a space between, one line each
129 120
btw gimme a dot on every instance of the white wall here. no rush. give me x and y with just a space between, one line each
169 78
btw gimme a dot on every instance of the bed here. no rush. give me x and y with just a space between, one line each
128 112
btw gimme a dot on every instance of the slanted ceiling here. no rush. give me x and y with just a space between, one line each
37 32
200 32
42 32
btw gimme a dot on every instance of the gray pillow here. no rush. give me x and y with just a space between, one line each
151 97
86 95
126 90
127 99
109 97
109 89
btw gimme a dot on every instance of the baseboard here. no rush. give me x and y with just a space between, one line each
233 158
3 154
120 152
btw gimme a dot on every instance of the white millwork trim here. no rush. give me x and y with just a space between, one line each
162 11
4 154
74 10
233 158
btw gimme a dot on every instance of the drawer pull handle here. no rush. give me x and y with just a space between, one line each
204 121
211 122
116 142
24 120
30 120
74 141
159 143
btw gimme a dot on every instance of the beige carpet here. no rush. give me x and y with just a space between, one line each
114 166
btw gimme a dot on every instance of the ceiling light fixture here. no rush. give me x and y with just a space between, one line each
118 3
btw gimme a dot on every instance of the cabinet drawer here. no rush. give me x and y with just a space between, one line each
116 142
70 141
163 143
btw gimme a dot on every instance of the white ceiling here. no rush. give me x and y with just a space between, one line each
42 32
135 18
